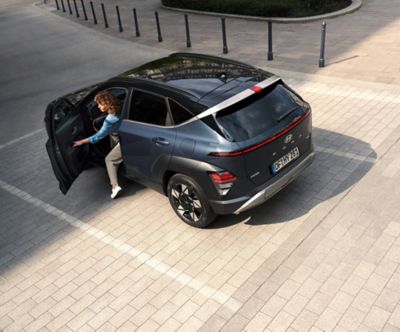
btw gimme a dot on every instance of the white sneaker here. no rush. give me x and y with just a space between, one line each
115 191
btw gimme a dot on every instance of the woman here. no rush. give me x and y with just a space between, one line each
110 104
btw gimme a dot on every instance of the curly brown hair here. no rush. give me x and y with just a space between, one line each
108 99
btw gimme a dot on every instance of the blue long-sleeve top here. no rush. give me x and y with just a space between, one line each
111 124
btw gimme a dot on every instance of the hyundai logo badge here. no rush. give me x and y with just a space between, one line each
288 138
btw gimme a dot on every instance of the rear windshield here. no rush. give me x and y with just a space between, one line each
256 114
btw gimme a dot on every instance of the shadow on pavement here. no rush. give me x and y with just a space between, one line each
331 173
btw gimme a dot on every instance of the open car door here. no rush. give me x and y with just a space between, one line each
64 125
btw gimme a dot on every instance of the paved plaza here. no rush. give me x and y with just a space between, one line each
321 255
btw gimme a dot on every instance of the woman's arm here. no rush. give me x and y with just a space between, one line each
81 142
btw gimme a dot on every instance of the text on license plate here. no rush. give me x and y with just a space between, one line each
286 159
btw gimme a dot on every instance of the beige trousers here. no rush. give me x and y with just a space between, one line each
113 160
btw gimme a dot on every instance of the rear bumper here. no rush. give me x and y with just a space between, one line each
262 193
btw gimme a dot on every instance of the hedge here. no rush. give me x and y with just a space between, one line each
267 8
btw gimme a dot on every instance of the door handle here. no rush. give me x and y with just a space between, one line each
74 130
160 141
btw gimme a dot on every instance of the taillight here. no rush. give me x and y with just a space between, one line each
223 181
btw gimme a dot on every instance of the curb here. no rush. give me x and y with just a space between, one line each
355 5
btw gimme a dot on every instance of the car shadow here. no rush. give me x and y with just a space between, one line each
340 162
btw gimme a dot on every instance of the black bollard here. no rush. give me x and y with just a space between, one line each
76 9
84 10
270 55
58 7
104 15
93 13
188 42
119 19
158 27
69 7
322 53
225 46
136 23
62 5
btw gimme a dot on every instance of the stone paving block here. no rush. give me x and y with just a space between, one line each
207 310
288 289
309 288
281 322
42 307
352 319
101 317
81 304
386 268
192 324
61 306
296 305
394 318
301 273
143 314
341 302
343 271
83 290
390 328
164 313
60 321
376 283
148 326
39 322
64 291
304 321
186 311
388 299
376 318
364 300
142 299
328 320
274 305
353 285
237 323
215 323
127 327
101 302
81 319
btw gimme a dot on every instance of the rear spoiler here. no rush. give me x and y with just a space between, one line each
240 96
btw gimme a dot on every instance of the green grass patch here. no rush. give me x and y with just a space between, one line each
266 8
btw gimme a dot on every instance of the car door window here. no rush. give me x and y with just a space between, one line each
149 108
179 114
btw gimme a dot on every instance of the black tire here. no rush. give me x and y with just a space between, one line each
189 201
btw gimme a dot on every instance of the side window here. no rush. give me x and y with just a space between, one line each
63 112
179 114
148 108
120 93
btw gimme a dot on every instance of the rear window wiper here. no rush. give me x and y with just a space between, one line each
284 115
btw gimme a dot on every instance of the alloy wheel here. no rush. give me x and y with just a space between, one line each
186 202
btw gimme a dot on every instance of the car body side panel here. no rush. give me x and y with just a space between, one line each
146 150
195 141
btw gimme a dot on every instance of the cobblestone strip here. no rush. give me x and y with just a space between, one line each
142 257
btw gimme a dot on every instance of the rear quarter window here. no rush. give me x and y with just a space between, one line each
256 114
179 114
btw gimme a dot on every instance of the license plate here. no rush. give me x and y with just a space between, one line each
286 159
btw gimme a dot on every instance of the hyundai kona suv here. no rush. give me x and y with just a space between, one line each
216 136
